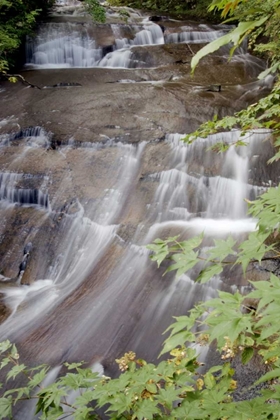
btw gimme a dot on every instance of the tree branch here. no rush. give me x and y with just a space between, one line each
22 79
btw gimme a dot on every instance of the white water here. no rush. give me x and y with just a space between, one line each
178 200
24 196
64 45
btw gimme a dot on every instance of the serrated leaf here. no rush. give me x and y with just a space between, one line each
183 263
222 249
38 377
159 256
71 366
209 380
5 345
4 362
146 410
6 408
175 340
168 395
15 371
209 272
182 322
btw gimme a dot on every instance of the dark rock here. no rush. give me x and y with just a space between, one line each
23 264
155 18
107 49
214 88
63 84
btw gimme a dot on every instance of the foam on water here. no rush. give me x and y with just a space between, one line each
210 227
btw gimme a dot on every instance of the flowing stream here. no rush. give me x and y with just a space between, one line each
92 168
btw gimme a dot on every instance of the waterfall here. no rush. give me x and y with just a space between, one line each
94 168
25 196
64 45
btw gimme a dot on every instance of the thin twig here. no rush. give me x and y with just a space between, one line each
22 79
190 50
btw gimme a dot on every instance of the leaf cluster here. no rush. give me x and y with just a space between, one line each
263 114
96 10
17 19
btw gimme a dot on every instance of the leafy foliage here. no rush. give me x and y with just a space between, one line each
95 10
193 8
17 18
261 115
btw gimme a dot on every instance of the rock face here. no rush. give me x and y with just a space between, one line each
97 144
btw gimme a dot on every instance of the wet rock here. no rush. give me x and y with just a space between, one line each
27 249
107 49
5 312
214 88
28 132
155 18
23 264
63 84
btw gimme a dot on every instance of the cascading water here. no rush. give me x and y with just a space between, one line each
62 45
89 176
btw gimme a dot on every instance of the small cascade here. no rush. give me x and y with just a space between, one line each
33 136
172 194
193 37
186 191
150 35
24 196
28 132
62 45
119 58
129 165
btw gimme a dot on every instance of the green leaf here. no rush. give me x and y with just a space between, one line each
209 380
5 362
209 272
183 263
271 69
146 409
38 377
177 340
168 395
6 408
222 249
24 391
275 373
159 255
247 355
4 346
15 371
182 322
235 36
71 366
152 388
